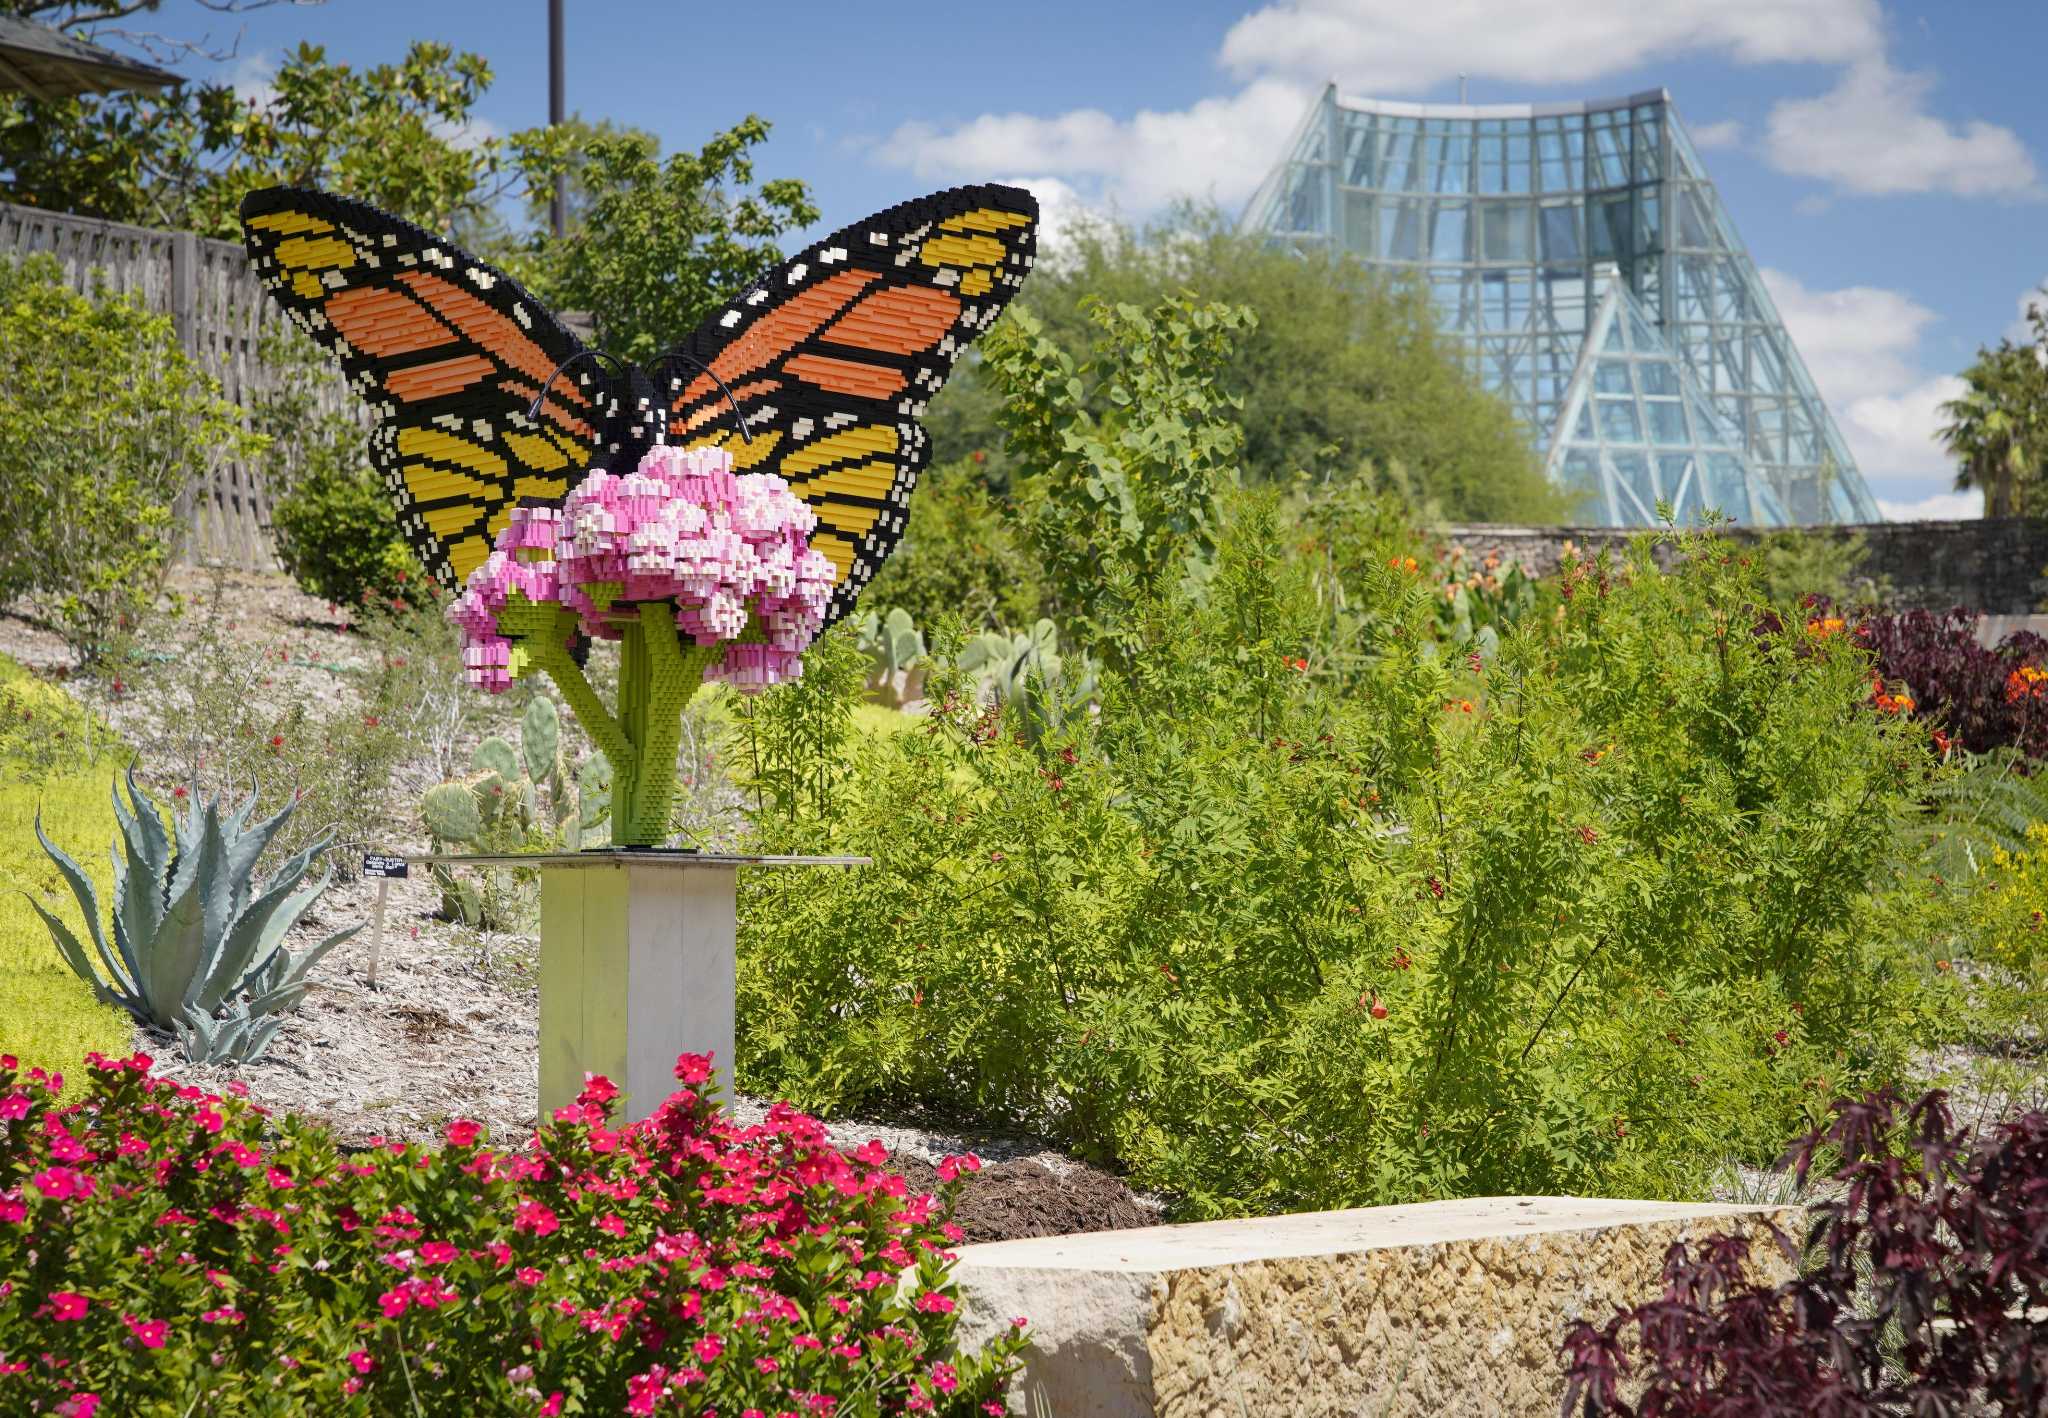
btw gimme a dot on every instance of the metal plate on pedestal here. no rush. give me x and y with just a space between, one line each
627 857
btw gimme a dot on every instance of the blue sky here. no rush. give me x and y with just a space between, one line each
1887 163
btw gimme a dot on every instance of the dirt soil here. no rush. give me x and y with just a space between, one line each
450 1027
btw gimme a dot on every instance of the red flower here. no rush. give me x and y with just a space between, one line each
277 740
1588 835
931 1302
693 1068
1378 1010
179 792
462 1133
597 1089
68 1305
871 1152
148 1333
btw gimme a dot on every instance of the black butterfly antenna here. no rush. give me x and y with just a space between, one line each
675 354
679 353
541 397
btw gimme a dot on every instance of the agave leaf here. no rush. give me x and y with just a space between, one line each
255 934
155 841
74 954
279 1001
135 904
245 849
252 1046
306 960
173 964
87 895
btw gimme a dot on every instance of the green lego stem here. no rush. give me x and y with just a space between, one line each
658 676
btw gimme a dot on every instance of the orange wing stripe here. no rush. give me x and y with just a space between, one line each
384 322
900 321
777 331
562 417
495 332
846 376
430 381
721 409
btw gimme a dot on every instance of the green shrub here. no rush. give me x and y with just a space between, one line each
963 554
1321 904
104 423
331 519
167 1251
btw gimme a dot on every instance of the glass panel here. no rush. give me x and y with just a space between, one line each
1358 222
1632 470
1614 341
1609 217
1399 169
1401 230
1584 427
1610 376
1360 148
1640 335
1667 421
1695 227
1504 227
1447 233
1560 230
1450 164
1651 233
1610 154
1577 470
1654 377
1618 422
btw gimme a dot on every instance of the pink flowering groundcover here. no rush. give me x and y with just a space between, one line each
164 1249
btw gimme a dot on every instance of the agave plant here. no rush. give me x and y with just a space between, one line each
197 950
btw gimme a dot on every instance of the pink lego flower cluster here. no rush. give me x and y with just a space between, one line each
731 553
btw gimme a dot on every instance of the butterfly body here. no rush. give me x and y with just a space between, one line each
820 373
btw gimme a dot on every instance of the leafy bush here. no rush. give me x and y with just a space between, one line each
331 518
226 715
197 950
1920 1288
1983 699
1312 908
1344 376
103 424
963 554
165 1250
1294 922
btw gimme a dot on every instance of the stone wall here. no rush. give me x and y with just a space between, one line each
1996 566
1451 1309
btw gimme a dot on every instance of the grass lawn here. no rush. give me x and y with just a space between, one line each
47 1014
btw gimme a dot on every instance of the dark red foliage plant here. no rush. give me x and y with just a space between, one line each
1922 1289
1982 698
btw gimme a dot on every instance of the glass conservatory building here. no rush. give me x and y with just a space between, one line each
1579 254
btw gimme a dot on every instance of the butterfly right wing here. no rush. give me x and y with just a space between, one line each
448 354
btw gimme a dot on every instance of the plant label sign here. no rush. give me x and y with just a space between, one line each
382 864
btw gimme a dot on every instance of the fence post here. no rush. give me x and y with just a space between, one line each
184 288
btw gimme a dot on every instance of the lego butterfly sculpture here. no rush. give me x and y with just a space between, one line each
713 512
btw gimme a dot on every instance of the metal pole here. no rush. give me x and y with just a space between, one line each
558 205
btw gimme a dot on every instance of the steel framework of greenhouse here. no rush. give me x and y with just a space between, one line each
1581 258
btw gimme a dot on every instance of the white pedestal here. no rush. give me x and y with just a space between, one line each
636 966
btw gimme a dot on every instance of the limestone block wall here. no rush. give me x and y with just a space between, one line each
1997 566
1441 1309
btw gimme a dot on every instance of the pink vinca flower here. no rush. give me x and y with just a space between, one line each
731 553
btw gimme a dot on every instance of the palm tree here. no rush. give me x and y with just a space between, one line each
1997 429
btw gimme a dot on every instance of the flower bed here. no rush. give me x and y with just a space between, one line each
156 1247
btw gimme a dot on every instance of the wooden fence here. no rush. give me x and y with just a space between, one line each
221 312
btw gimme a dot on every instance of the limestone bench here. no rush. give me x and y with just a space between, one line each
1442 1308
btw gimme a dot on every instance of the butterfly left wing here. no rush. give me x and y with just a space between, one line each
448 354
833 356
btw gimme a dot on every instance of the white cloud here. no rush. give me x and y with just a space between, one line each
1725 134
1861 344
1397 46
253 77
1939 507
1062 212
1871 134
2022 330
1220 148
